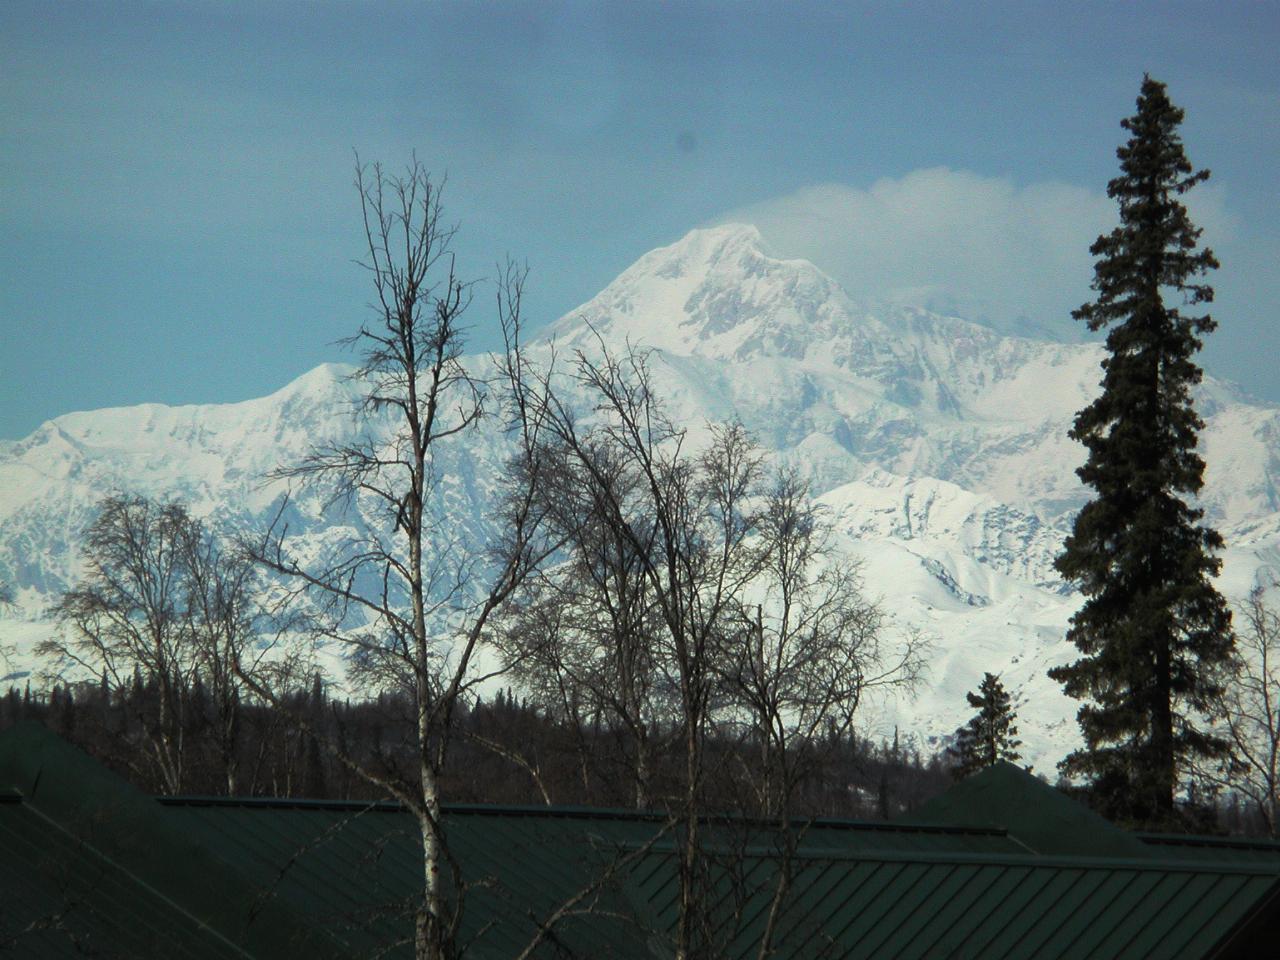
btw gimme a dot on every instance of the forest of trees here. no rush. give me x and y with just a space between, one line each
508 752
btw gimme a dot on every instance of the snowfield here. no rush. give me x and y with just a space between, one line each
938 446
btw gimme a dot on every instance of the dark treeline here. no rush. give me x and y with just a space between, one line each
507 752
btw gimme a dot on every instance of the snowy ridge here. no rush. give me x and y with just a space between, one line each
881 506
938 447
843 387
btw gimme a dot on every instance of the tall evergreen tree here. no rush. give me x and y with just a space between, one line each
1153 629
991 735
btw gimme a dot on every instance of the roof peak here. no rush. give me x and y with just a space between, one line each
1037 815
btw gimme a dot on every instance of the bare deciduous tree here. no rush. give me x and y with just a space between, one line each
697 599
800 659
1250 710
410 598
163 607
685 520
582 640
124 620
797 664
6 603
221 620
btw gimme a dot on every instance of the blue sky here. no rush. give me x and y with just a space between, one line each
177 222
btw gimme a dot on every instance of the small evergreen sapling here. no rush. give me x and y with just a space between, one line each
991 735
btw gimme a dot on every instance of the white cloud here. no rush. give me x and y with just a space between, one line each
1016 257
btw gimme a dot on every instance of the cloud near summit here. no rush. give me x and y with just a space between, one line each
1015 257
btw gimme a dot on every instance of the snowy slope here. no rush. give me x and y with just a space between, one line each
938 445
939 558
846 386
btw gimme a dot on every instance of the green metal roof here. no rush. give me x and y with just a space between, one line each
533 858
985 877
878 904
59 897
88 864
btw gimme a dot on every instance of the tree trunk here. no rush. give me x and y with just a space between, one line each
429 930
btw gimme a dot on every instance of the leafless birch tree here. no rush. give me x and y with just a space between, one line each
582 642
684 519
221 619
801 657
124 619
163 607
804 649
410 599
1250 707
699 596
663 541
6 603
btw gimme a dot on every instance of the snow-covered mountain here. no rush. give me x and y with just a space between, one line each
835 382
938 445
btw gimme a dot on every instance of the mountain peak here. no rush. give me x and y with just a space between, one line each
726 252
715 292
705 248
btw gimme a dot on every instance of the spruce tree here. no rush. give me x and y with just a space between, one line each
1153 630
991 735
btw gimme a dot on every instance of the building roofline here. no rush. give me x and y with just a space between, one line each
569 812
978 859
1205 840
